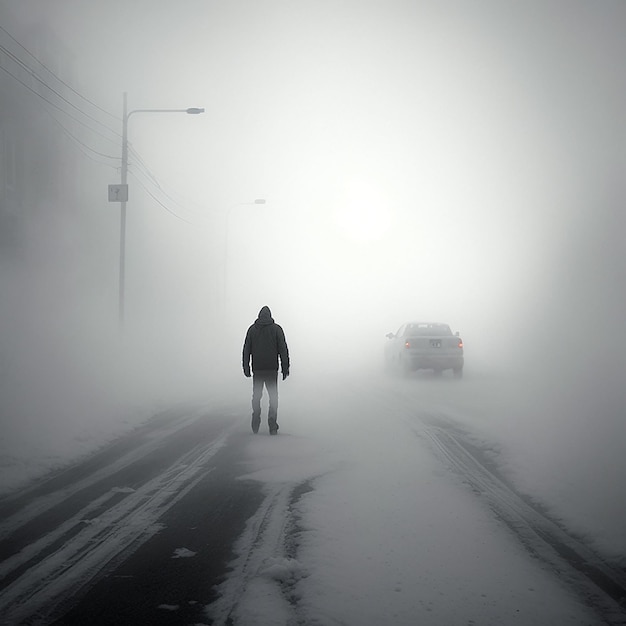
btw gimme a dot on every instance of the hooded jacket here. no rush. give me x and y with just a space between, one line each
265 342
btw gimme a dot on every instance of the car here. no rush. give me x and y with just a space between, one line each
425 345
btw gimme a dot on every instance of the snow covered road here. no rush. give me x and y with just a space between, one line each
379 502
381 509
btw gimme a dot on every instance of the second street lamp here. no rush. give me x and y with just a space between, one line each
124 190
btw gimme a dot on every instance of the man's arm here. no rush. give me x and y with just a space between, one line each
246 355
283 351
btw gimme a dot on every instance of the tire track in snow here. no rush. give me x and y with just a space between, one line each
264 576
601 584
67 557
37 500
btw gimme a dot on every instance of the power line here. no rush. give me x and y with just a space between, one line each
82 143
145 170
33 91
167 201
40 80
140 162
93 104
34 75
168 209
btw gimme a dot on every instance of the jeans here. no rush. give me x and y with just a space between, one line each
269 378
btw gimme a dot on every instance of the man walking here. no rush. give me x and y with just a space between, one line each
265 342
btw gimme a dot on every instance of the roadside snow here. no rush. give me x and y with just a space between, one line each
385 535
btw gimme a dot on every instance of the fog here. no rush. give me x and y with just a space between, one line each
456 162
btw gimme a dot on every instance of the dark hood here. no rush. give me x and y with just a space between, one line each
265 316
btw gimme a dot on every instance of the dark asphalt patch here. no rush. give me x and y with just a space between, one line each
151 586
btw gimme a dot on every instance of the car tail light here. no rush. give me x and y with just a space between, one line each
460 344
407 344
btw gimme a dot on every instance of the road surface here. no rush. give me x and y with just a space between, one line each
107 541
143 531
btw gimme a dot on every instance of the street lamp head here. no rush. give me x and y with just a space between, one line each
259 201
194 110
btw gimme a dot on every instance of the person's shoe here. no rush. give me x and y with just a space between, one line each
255 426
274 431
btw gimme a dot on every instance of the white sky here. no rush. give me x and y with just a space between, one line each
417 159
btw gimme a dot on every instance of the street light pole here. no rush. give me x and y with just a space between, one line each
125 116
123 214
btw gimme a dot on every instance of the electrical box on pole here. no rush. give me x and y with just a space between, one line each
118 193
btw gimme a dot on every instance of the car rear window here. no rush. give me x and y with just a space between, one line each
427 330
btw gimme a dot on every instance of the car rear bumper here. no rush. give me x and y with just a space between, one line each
434 362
